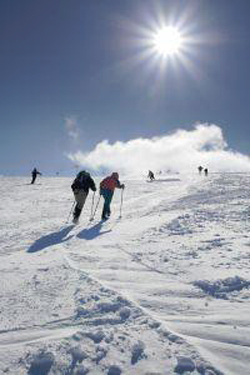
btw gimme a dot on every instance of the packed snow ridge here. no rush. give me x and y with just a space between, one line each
221 288
160 288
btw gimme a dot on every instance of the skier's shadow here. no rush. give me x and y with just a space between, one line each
93 232
165 180
51 239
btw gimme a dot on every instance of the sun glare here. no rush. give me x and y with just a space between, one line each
168 41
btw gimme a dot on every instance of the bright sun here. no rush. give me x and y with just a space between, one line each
168 41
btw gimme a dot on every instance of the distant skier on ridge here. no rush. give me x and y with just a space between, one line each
107 187
34 174
200 168
81 185
151 176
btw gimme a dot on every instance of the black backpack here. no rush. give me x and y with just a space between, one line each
81 181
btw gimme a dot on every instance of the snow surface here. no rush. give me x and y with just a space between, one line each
163 289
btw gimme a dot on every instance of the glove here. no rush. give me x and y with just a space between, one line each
122 186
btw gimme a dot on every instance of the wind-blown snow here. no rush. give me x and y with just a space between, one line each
176 152
163 287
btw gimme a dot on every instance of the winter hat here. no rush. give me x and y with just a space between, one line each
115 175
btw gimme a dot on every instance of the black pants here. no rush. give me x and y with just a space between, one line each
33 178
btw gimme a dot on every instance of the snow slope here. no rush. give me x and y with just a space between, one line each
164 289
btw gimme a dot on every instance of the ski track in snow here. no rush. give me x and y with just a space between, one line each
164 289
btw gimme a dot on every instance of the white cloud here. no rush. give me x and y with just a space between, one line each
181 151
72 128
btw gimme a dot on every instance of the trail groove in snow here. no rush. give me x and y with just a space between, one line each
35 335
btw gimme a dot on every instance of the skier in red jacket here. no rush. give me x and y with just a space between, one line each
107 187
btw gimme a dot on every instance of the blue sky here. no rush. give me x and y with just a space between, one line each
73 73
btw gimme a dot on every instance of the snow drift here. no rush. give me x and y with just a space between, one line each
161 289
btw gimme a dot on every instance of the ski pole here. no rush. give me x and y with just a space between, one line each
97 204
70 212
121 203
92 206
